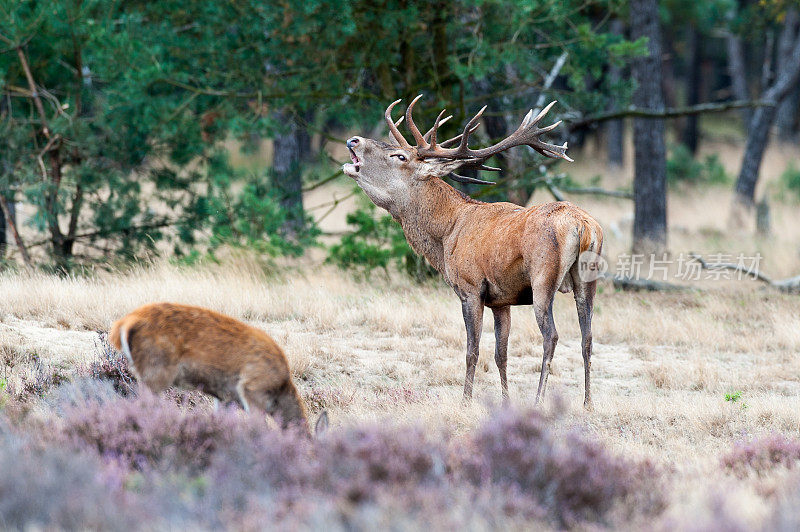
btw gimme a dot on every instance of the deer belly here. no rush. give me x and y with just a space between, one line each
495 296
212 381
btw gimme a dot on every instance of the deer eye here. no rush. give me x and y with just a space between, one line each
399 156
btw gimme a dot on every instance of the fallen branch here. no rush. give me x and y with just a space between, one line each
642 285
790 285
674 112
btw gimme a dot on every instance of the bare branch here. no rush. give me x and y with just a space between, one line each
790 285
674 112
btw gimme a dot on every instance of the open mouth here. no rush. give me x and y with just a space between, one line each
354 158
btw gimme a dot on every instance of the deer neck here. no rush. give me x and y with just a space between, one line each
429 217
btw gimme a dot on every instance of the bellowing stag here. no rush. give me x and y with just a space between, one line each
492 254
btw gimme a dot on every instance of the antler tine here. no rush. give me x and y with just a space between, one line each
399 121
540 115
393 128
527 134
418 137
547 128
458 137
463 146
430 136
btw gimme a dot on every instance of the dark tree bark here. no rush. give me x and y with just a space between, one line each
786 119
650 180
286 171
615 129
3 235
738 73
691 136
9 213
786 77
307 153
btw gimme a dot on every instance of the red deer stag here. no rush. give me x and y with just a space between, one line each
493 254
194 348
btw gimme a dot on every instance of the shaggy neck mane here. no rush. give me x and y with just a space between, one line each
430 216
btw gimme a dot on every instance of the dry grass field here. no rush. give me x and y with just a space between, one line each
391 351
679 378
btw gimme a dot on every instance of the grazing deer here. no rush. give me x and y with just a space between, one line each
493 254
194 348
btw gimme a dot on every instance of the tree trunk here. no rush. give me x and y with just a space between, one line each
286 171
690 130
786 120
9 213
786 77
649 183
615 129
738 74
3 235
787 111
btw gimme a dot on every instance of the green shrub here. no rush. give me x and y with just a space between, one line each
790 180
377 243
713 171
683 168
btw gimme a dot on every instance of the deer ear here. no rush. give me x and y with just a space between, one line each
321 426
440 167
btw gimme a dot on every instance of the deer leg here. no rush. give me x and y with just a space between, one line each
158 377
584 301
543 308
472 308
502 326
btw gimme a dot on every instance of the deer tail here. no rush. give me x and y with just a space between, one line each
119 335
591 237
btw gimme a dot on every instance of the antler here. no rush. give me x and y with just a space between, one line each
526 134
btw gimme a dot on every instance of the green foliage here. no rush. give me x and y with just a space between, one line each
133 157
790 180
138 97
736 397
683 168
733 397
377 243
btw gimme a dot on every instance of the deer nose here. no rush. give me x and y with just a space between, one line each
352 141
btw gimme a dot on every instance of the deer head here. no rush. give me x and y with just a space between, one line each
388 173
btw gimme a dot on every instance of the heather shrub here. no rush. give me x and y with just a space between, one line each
355 464
762 455
571 477
52 488
716 514
786 515
77 393
191 466
38 382
365 478
111 366
360 462
151 431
